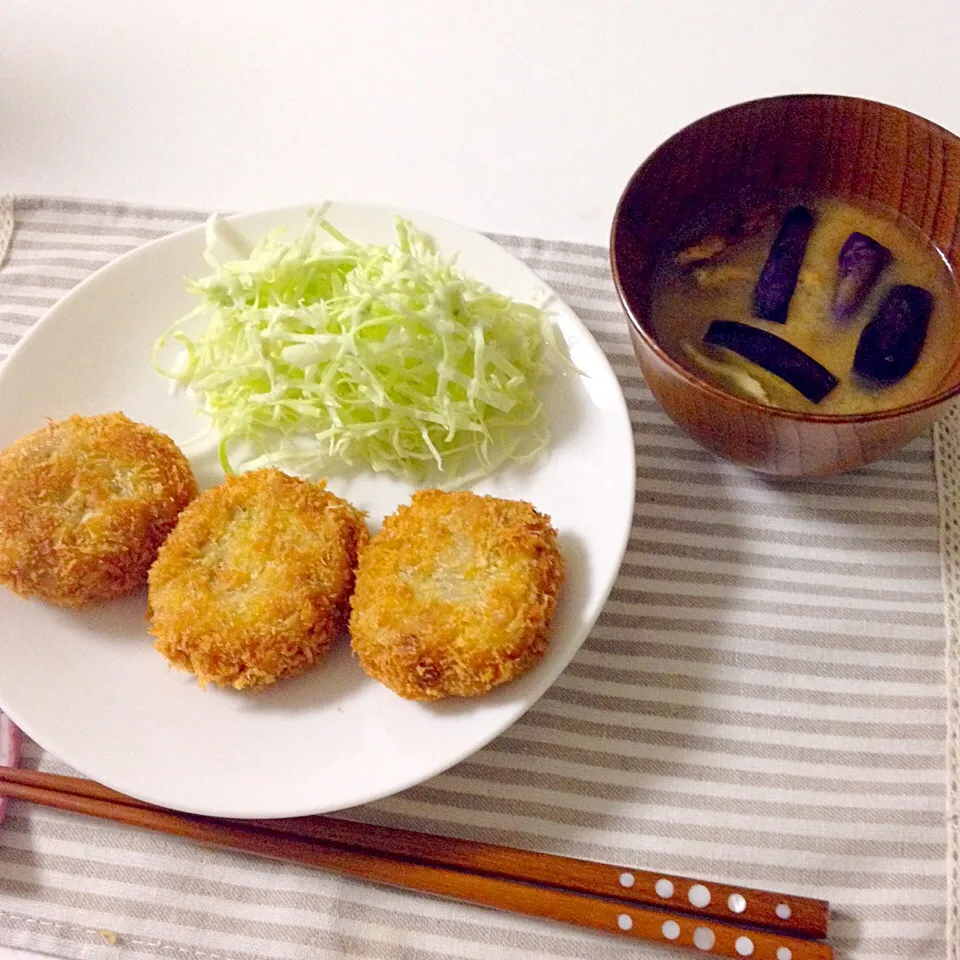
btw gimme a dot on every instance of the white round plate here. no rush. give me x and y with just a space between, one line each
88 685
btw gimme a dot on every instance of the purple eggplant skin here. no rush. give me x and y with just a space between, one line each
859 266
892 341
775 355
778 279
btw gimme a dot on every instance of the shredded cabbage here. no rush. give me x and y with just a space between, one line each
317 352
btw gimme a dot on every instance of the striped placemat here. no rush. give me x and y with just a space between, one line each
763 701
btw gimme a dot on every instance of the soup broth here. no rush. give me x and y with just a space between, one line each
711 273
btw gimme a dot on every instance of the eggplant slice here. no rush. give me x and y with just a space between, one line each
775 355
891 342
859 266
778 279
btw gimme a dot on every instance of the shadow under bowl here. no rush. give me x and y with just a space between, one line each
855 150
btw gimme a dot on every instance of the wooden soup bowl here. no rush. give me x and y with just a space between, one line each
853 149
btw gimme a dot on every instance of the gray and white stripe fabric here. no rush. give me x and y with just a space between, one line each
763 701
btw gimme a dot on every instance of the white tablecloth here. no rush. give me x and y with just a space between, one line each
519 116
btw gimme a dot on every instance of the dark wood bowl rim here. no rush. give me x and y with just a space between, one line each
708 388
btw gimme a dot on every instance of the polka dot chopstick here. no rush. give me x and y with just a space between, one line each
713 918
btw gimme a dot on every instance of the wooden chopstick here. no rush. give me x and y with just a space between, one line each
807 917
346 847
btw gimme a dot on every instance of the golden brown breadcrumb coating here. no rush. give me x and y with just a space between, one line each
85 504
455 595
254 583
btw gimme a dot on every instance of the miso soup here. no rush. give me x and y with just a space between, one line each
774 265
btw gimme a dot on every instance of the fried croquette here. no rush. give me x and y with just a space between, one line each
85 504
455 595
255 581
